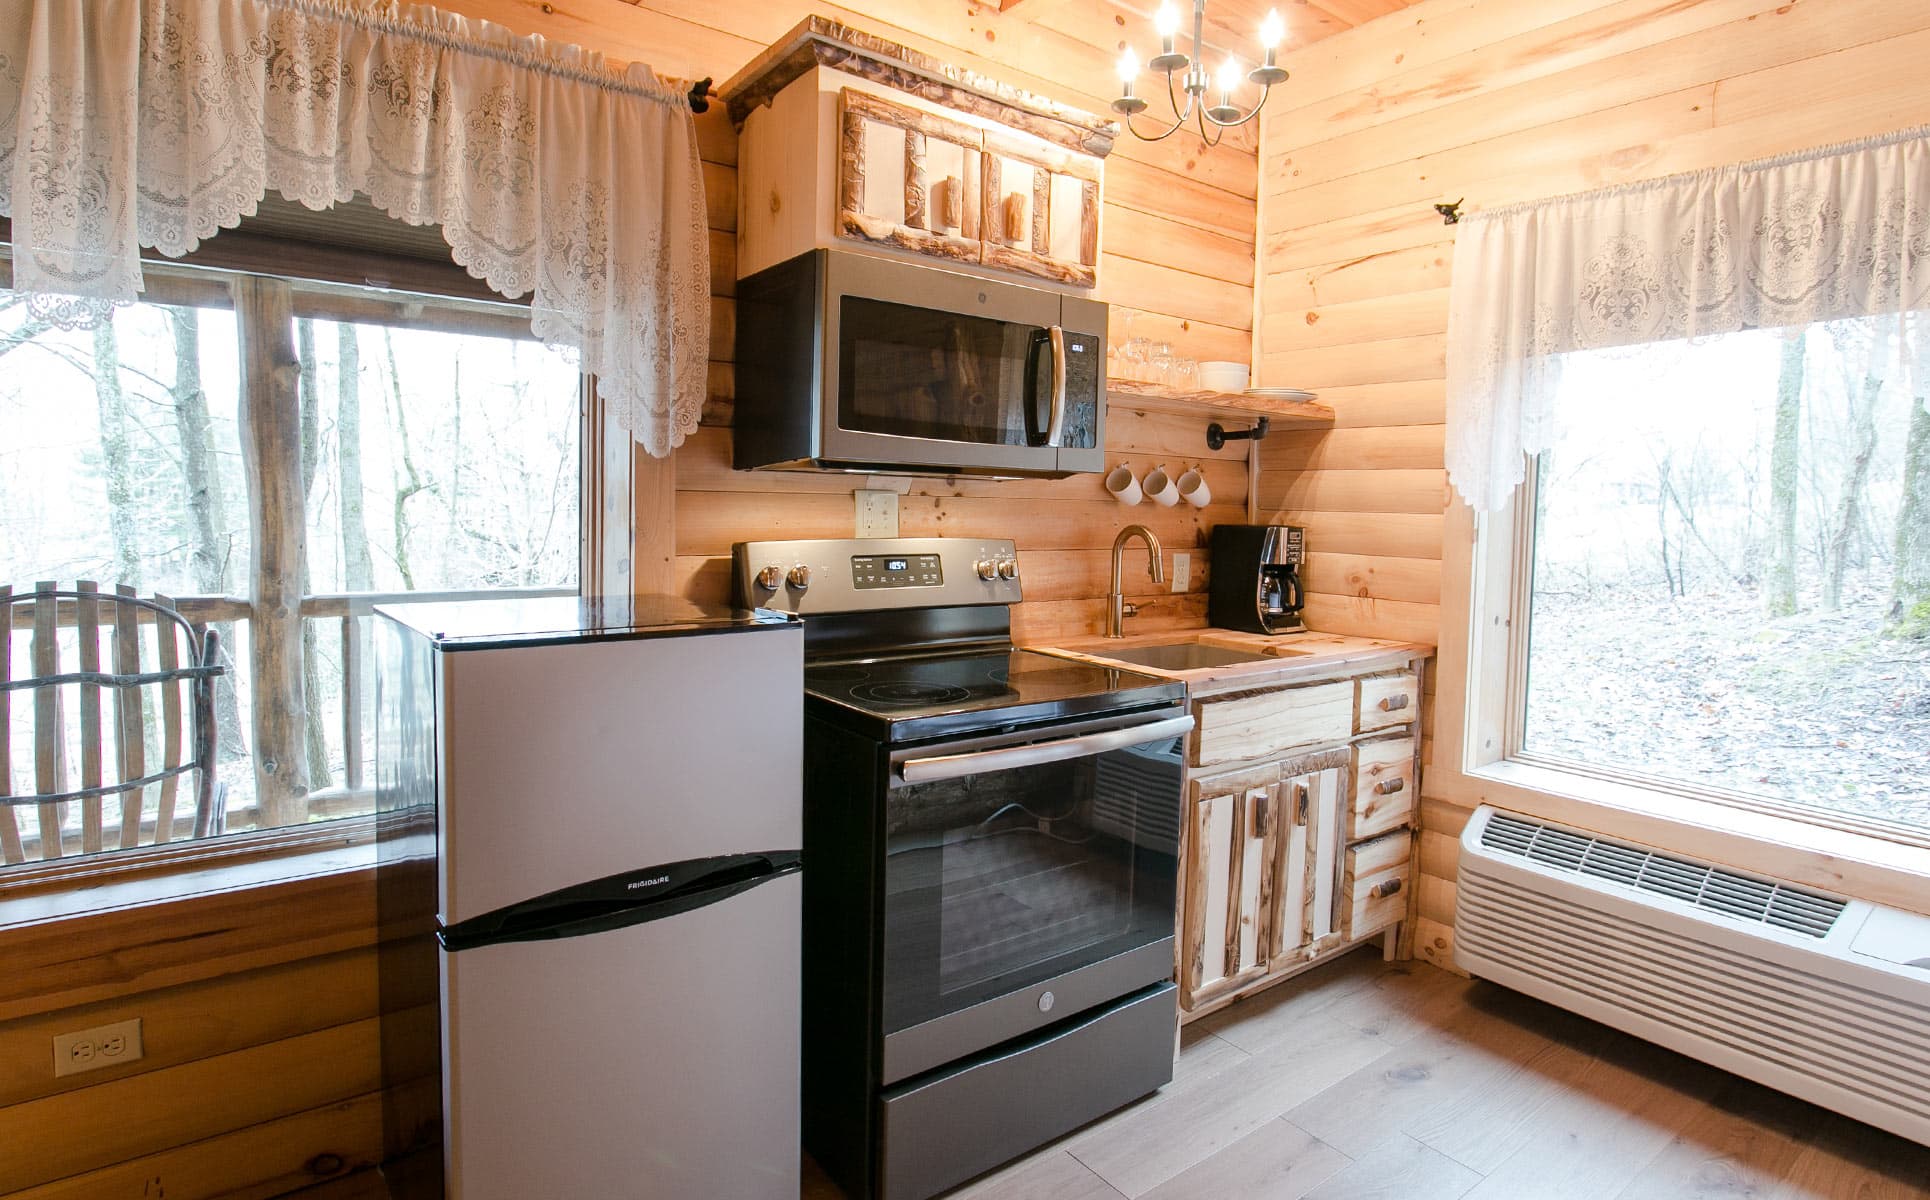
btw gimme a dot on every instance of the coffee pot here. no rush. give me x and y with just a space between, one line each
1256 584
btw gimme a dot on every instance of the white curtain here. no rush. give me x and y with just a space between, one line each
1829 234
129 123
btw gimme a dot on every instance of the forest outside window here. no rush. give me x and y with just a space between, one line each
1728 574
436 448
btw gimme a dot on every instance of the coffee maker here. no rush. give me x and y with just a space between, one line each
1256 578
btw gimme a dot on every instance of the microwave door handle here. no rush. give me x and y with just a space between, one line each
978 762
1055 431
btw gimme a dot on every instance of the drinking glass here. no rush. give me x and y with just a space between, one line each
1159 361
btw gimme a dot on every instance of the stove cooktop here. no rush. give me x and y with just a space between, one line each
924 696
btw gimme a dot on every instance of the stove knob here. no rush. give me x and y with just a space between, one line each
800 577
771 578
1009 569
987 569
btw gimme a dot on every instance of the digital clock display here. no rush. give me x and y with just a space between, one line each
877 571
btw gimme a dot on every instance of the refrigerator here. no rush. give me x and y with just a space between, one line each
588 887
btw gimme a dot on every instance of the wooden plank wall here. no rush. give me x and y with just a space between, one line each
1498 101
261 1067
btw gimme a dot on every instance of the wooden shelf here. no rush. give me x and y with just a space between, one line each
1283 412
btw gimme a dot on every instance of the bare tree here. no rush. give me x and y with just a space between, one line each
117 460
1843 522
408 480
208 551
1780 594
1910 589
358 566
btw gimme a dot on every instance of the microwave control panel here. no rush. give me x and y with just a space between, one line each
893 571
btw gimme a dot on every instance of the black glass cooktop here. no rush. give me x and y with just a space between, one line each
906 699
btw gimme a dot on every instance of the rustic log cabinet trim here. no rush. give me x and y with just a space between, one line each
856 110
822 42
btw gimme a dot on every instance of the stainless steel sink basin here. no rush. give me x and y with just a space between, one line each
1182 656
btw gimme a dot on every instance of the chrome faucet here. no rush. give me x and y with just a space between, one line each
1117 610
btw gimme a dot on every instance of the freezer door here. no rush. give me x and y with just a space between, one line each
565 763
652 1060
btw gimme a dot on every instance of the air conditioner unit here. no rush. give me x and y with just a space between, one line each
1815 995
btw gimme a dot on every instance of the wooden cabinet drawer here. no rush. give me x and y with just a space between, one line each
1373 887
1262 724
1383 787
1388 700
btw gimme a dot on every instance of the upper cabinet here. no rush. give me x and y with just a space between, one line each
848 140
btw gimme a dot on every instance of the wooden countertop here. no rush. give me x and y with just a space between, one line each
1302 657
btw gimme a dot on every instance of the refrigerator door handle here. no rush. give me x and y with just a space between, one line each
619 901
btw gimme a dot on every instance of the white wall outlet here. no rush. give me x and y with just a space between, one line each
97 1048
1182 571
877 514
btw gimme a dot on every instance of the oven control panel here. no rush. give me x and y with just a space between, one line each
839 575
896 570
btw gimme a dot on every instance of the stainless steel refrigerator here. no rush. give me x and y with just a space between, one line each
589 887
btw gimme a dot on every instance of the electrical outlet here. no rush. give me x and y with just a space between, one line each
1182 571
877 513
96 1048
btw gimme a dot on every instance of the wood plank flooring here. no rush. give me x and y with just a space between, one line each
1365 1080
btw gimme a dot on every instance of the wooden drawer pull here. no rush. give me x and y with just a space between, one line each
1384 889
1389 786
1259 822
1394 703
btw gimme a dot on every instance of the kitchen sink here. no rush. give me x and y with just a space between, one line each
1183 656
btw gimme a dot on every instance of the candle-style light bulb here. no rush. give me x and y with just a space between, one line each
1128 66
1272 29
1229 79
1166 20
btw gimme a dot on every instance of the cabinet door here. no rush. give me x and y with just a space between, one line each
1041 210
908 178
1307 863
1228 887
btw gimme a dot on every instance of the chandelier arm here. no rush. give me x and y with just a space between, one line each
1219 131
1175 127
1264 93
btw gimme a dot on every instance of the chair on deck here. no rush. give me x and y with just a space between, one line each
115 778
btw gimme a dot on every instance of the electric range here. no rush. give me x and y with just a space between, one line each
990 852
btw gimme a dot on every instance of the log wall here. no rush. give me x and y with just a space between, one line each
1497 101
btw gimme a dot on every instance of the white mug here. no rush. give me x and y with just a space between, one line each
1193 489
1159 487
1122 485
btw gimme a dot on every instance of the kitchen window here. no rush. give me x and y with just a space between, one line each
1720 585
1684 582
438 449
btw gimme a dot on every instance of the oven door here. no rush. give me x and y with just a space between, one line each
934 369
1027 878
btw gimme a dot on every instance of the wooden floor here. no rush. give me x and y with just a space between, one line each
1365 1080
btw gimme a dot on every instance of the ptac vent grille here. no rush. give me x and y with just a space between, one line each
1718 889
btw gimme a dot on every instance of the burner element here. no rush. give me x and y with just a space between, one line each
905 691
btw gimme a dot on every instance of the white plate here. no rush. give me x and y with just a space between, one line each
1280 393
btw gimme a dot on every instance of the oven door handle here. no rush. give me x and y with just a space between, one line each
978 762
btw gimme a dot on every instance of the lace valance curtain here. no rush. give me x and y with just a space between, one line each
130 123
1830 234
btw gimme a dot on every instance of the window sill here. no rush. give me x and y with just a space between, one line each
1838 860
39 894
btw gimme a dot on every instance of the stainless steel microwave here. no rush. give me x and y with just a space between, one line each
851 362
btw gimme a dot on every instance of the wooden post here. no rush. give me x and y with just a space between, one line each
1041 211
271 452
916 192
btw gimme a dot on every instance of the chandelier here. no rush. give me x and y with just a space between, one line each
1220 117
